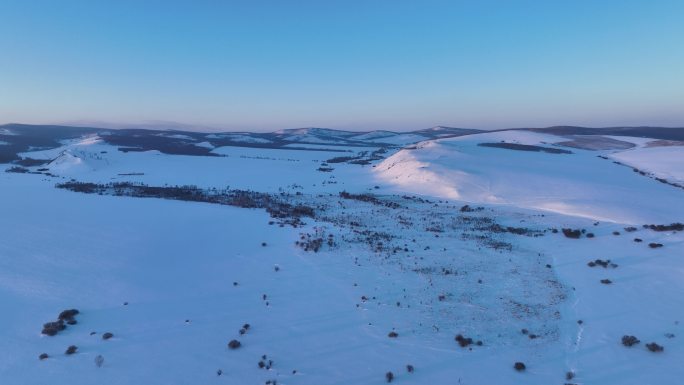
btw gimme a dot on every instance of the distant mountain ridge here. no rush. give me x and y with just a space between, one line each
16 138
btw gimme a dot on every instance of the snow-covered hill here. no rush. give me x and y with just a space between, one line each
349 258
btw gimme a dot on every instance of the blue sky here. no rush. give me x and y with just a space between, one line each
399 65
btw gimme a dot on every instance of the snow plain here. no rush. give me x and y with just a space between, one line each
175 264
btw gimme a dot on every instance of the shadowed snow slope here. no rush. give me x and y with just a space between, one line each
578 184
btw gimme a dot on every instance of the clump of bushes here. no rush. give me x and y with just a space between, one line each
409 368
263 364
654 245
570 233
52 328
599 262
629 341
66 316
606 281
71 350
107 336
466 341
393 334
671 227
234 344
43 356
519 366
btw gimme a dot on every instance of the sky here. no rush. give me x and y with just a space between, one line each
396 65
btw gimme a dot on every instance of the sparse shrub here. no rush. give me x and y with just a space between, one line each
234 344
519 366
43 356
629 341
569 375
393 334
654 245
389 376
654 347
630 229
409 368
637 240
606 281
590 235
107 336
71 350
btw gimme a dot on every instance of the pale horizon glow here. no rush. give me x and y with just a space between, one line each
356 65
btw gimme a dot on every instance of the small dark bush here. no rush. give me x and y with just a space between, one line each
655 348
519 366
654 245
606 281
629 340
638 240
590 235
43 356
234 344
630 229
107 336
246 326
569 375
243 331
409 368
71 350
393 334
389 376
